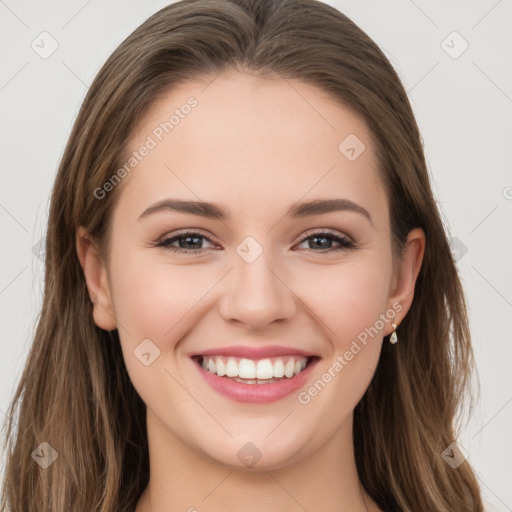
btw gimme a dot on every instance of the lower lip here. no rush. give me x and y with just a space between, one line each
256 393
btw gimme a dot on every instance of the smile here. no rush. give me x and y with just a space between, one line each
255 380
249 371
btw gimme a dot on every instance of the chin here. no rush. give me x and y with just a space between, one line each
257 453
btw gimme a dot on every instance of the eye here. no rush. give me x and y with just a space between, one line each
188 242
324 238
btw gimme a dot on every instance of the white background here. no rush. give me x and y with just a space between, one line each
463 107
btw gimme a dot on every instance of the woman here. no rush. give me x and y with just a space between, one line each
202 343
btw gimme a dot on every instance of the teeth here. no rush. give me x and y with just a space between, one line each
231 368
263 369
246 369
220 367
279 368
289 368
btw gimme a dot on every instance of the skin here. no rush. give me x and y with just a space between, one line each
255 147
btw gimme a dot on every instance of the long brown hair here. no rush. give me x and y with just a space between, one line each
75 393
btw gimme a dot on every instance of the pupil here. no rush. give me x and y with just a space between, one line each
320 238
188 238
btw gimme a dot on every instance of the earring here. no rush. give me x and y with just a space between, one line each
393 338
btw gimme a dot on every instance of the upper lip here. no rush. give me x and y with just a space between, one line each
254 352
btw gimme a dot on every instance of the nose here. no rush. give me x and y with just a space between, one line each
256 294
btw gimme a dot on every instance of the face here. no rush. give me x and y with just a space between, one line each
263 290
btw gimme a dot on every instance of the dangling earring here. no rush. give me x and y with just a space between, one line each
393 338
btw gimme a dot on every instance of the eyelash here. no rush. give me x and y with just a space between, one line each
345 242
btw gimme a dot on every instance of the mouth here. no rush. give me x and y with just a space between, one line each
249 371
255 380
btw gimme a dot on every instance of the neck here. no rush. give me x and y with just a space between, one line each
183 479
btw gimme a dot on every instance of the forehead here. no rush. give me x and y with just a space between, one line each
240 140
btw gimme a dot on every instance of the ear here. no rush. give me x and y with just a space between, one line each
405 275
95 274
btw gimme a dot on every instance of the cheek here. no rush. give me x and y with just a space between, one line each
155 302
350 299
351 307
152 300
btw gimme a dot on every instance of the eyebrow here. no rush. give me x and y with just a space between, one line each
215 211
